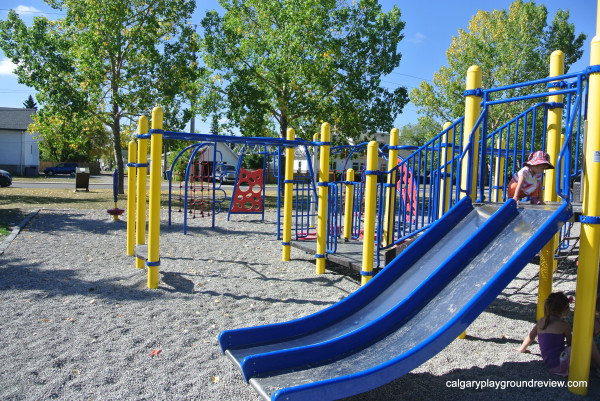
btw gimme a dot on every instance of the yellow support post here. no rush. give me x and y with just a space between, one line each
499 171
472 111
349 204
322 195
587 273
288 193
445 179
388 225
142 172
153 262
370 215
131 173
547 261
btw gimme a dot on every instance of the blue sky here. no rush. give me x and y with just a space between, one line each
429 28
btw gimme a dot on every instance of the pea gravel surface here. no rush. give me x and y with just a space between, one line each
77 321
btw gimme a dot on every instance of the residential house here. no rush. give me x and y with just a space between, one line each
338 162
19 151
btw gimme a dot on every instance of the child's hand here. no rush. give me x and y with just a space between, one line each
516 198
522 350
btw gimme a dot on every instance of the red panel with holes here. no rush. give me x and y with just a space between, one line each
248 193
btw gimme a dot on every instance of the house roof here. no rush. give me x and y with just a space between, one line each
15 119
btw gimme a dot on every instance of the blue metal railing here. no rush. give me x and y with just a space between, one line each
423 176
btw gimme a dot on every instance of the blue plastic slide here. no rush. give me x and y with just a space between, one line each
405 315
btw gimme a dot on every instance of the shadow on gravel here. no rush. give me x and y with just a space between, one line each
176 282
504 340
525 311
17 274
270 229
72 221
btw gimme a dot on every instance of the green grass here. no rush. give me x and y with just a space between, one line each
4 231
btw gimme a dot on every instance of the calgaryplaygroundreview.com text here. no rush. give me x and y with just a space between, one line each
504 384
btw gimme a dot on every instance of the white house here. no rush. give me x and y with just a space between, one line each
224 154
19 151
338 160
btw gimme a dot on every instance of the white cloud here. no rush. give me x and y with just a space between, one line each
417 38
7 67
26 10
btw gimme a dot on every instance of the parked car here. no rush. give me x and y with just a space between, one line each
5 178
62 168
225 173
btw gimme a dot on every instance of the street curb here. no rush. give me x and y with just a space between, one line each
5 244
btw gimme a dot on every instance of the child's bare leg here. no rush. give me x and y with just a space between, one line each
529 338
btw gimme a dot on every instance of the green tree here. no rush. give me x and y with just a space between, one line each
414 135
214 125
510 46
111 59
30 103
296 63
79 138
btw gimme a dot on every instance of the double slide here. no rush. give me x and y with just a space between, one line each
409 312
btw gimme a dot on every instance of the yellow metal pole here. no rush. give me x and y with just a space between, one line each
553 141
140 232
131 173
388 226
472 111
547 261
288 193
587 272
153 262
322 194
445 179
349 204
499 174
370 215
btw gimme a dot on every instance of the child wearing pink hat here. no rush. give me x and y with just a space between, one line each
528 180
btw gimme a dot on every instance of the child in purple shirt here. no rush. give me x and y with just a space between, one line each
554 336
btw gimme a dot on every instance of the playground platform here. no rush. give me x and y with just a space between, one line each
349 254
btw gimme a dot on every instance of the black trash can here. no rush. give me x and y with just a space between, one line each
82 178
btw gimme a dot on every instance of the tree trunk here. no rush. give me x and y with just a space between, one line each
118 152
283 126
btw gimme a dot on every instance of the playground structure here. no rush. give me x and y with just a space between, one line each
470 251
473 252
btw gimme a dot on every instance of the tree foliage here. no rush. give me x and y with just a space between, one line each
300 62
78 139
214 125
111 59
413 135
510 46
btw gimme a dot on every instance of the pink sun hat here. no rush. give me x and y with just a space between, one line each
537 158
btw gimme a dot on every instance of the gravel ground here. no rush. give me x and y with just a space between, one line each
77 321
